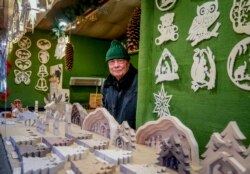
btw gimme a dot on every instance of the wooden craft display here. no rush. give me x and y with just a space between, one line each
164 146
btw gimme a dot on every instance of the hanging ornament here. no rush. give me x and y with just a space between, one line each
165 5
167 29
69 56
239 16
24 42
207 14
60 47
162 102
238 64
22 76
167 67
203 71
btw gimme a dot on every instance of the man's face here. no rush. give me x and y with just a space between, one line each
118 67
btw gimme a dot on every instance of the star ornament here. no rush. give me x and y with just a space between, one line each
162 103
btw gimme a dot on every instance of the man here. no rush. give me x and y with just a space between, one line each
120 88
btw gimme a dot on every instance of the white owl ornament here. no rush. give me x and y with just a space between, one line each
207 14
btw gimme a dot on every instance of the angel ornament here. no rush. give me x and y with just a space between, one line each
167 29
60 47
202 74
207 14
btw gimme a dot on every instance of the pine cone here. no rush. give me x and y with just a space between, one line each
69 56
133 31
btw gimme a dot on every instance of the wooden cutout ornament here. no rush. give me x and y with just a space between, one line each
41 85
167 67
48 164
49 4
43 56
226 153
239 16
114 156
125 137
101 122
167 29
43 44
166 127
238 72
32 13
43 72
23 64
61 46
24 42
202 74
23 54
164 5
162 102
207 14
22 76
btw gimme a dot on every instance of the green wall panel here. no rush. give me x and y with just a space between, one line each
204 111
89 61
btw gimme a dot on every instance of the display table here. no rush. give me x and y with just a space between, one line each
88 160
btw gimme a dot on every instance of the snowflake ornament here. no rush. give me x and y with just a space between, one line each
162 103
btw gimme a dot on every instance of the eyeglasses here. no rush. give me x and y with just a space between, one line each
117 61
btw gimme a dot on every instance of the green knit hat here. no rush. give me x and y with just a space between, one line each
117 51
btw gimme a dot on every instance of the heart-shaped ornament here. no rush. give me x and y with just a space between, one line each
23 64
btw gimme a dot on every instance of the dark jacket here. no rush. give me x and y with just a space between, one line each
120 97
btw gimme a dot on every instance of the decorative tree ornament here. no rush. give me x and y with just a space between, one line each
24 42
60 47
207 14
202 74
239 16
162 103
41 85
43 44
167 29
43 56
164 5
23 53
237 64
69 56
32 12
166 70
133 31
22 76
23 64
43 72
